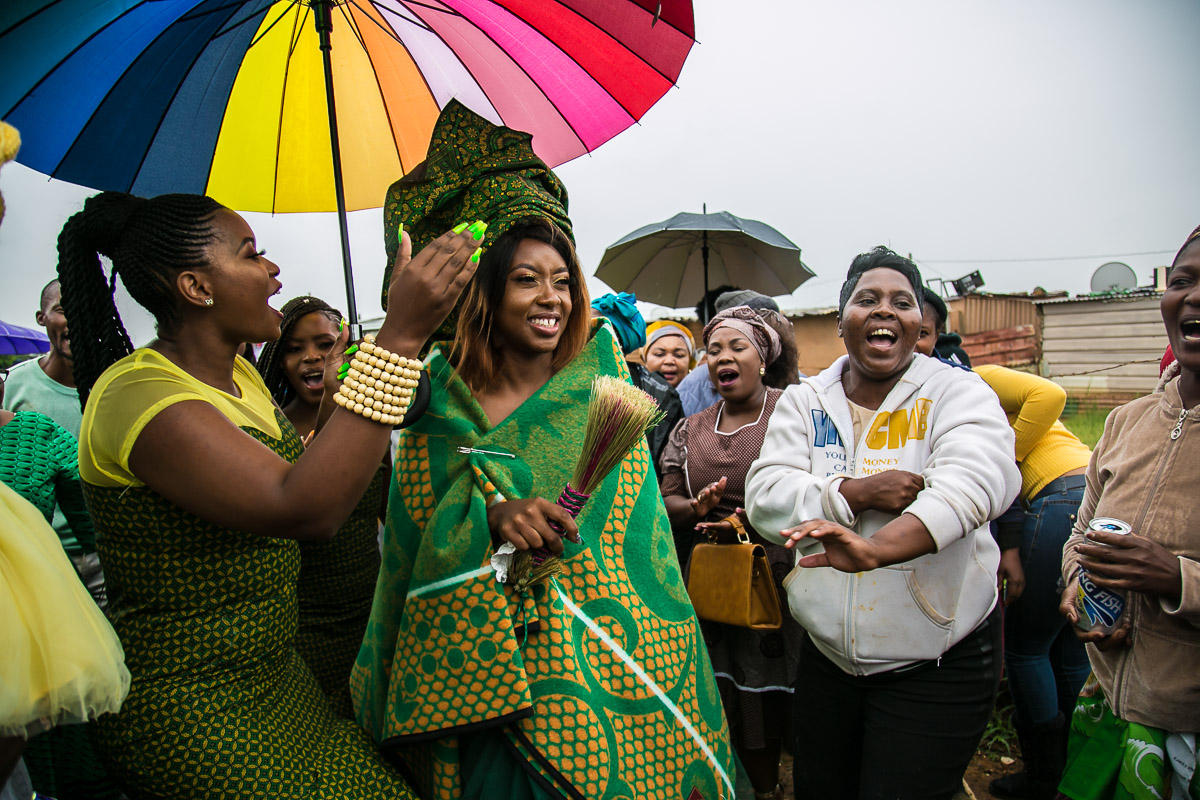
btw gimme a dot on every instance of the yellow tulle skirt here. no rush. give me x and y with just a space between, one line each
60 660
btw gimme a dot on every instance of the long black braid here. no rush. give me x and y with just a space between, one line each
270 360
148 242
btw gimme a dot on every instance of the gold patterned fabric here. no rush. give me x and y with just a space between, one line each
221 705
599 681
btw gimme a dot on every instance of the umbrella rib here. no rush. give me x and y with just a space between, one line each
4 112
576 62
107 93
353 27
28 17
447 11
297 26
387 112
167 106
517 64
662 74
268 29
417 23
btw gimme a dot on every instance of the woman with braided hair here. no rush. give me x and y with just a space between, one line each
199 490
337 577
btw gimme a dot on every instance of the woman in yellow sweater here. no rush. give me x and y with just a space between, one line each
1046 663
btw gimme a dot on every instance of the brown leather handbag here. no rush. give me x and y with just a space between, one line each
732 583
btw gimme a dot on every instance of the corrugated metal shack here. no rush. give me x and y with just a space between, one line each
996 329
1103 350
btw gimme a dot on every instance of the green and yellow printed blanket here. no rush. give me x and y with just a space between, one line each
599 680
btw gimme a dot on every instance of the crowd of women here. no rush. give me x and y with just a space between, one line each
921 523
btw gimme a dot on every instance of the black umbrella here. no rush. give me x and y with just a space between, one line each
672 262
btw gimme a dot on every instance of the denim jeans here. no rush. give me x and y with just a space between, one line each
1046 664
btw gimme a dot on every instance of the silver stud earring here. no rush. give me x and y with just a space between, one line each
208 301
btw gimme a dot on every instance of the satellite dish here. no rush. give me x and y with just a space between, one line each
1113 277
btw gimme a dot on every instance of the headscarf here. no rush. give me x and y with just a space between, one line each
747 322
475 170
622 311
1193 236
664 328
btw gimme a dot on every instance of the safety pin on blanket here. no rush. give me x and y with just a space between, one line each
469 450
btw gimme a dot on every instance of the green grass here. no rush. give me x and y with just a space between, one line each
999 738
1087 424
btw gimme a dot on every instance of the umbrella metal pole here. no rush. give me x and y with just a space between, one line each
704 256
323 16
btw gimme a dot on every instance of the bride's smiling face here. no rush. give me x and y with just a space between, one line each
537 303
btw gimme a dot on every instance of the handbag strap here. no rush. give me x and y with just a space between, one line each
738 528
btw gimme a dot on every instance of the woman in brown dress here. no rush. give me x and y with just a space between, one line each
703 469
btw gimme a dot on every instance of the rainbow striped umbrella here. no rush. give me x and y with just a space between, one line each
242 99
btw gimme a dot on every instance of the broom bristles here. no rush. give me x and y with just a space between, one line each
619 414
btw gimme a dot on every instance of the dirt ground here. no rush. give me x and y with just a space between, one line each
980 773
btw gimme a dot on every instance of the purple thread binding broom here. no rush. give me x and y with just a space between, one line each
619 415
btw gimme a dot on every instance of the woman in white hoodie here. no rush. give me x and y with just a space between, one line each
883 472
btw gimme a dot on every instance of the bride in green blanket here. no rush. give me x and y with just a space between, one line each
596 684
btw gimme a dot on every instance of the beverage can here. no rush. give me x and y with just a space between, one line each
1100 609
1109 525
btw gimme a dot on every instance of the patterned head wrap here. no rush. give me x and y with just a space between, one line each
747 322
622 311
474 171
664 328
1193 236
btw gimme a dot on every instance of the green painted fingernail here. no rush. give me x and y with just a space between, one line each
475 255
459 228
352 349
341 324
342 372
477 229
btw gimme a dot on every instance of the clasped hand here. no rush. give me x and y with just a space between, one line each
891 491
525 524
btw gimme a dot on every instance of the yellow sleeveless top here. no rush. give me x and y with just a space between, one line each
134 390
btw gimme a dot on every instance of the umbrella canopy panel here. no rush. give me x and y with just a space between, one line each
227 97
664 262
18 341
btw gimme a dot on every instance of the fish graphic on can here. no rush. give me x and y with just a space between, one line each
1100 609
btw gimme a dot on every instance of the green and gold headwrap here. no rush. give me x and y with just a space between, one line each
475 170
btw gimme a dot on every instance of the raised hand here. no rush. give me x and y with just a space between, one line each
708 498
425 287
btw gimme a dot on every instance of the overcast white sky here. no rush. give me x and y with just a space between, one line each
958 132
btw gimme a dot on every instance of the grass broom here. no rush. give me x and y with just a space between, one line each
619 414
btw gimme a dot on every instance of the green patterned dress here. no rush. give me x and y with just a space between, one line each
222 705
337 583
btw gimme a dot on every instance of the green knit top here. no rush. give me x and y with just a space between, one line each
39 460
